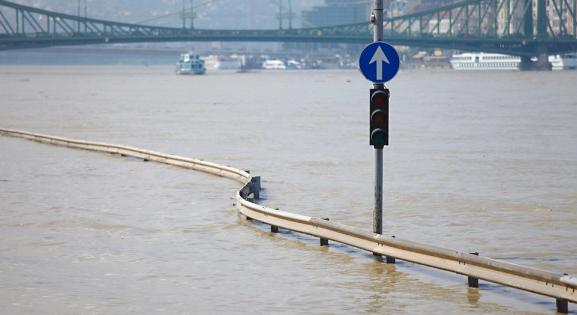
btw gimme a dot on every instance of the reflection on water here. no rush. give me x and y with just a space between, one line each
477 162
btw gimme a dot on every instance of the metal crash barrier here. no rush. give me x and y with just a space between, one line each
562 287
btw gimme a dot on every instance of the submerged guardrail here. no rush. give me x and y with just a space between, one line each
562 287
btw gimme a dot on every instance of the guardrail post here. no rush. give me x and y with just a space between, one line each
473 282
388 259
255 187
274 228
562 306
324 241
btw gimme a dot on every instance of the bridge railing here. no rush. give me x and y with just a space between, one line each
562 287
496 18
514 27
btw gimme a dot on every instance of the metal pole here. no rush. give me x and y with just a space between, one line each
290 17
561 17
378 13
542 19
191 14
528 19
378 210
280 15
85 15
575 18
183 14
78 11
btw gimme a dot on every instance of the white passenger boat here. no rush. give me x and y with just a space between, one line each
564 62
483 61
216 62
273 65
190 64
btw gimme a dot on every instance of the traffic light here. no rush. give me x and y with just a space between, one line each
379 119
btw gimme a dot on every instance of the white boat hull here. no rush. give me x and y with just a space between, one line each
485 62
499 62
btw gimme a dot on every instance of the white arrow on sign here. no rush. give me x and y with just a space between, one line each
379 57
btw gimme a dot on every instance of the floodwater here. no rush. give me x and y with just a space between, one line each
480 161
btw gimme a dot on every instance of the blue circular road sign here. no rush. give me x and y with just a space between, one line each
379 62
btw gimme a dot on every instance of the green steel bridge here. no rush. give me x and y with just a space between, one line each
526 28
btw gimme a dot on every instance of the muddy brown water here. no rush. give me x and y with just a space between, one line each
481 162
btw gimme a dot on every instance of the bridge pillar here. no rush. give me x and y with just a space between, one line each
526 64
542 19
542 63
528 19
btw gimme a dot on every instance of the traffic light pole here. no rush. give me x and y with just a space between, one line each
377 19
378 210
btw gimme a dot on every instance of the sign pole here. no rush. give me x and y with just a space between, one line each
379 62
378 210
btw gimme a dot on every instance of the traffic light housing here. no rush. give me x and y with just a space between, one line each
379 118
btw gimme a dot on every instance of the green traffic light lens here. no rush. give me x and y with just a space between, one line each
379 137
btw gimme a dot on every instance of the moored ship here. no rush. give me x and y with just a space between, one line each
564 62
488 61
273 64
190 64
484 61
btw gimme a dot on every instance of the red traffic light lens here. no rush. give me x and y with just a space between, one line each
379 98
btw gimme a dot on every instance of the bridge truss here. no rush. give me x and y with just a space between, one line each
526 28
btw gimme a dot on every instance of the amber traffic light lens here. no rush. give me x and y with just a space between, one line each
379 117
